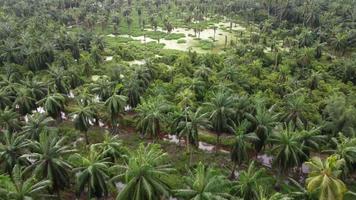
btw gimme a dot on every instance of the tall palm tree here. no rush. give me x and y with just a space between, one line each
20 188
204 184
240 149
83 116
53 105
9 120
111 147
250 182
150 114
220 109
263 122
146 174
12 146
323 178
48 160
115 105
37 123
92 171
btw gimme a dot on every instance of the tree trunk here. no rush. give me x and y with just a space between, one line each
232 175
86 137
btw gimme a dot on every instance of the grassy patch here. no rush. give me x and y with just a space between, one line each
181 41
206 44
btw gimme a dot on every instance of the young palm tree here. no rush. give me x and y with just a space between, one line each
250 182
240 149
9 120
83 115
150 114
146 174
133 90
49 162
263 121
187 126
36 124
323 178
111 147
103 88
92 171
5 99
220 110
295 110
204 184
346 149
12 146
53 105
24 101
115 106
288 149
22 189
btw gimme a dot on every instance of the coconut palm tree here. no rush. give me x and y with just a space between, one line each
295 110
323 178
150 114
250 182
12 146
204 184
9 120
240 149
53 104
111 147
146 174
103 88
59 78
48 160
83 117
92 171
115 105
20 188
220 109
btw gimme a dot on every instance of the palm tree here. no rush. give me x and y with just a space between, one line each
53 105
5 98
103 88
111 147
48 162
288 149
250 182
187 125
37 123
9 120
146 174
323 178
83 116
133 89
240 149
150 114
24 101
345 147
115 106
220 109
204 184
22 189
12 146
263 122
59 79
91 171
295 110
